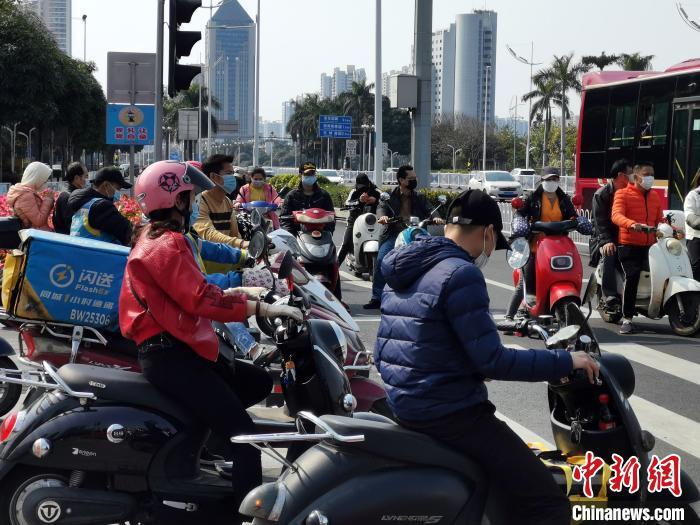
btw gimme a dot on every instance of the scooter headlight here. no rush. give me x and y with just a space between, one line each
371 219
674 247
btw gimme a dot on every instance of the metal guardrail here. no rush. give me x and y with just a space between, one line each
55 186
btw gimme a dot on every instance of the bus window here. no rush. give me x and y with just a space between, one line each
623 115
595 116
654 112
688 86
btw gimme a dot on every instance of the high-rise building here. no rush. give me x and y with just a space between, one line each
232 55
56 14
326 86
287 110
463 56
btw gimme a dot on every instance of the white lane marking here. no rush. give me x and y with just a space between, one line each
355 281
527 435
367 319
500 285
675 429
660 361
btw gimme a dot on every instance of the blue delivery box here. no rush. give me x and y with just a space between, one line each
68 280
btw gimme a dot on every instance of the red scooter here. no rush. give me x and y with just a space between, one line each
558 270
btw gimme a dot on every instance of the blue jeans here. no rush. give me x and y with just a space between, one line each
378 282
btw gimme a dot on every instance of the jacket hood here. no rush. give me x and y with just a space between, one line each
401 268
79 197
16 190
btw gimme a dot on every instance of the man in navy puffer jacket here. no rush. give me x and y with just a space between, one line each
437 342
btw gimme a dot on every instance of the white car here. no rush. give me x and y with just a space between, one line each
500 185
331 175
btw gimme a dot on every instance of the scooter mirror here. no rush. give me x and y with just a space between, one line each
384 197
255 217
518 254
286 266
563 335
257 244
442 199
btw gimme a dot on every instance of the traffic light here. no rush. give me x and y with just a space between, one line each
181 42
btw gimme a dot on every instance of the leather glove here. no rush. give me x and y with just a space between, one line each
281 310
252 292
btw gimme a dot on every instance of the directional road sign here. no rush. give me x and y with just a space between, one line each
335 127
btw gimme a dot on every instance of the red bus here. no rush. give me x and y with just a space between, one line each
640 116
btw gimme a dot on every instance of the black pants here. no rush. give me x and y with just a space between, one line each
508 462
611 264
693 246
218 397
347 246
633 259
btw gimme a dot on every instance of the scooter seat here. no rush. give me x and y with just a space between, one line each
388 439
118 385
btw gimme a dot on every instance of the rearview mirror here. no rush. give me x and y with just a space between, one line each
286 266
384 197
518 254
257 244
442 199
563 335
255 217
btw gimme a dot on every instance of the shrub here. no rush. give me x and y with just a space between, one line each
338 192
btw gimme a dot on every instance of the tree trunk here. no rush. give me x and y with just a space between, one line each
544 140
562 145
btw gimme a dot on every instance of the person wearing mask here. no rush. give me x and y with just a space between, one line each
307 195
26 202
367 194
605 238
76 177
691 207
437 341
259 190
404 202
171 323
548 203
93 210
634 207
216 221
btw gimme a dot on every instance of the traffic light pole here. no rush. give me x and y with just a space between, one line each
158 140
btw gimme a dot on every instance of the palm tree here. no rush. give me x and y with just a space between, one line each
358 102
543 96
190 99
565 73
600 61
635 62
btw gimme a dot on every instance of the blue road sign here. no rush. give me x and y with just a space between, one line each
129 125
335 127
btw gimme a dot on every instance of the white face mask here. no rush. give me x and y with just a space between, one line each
647 182
483 259
550 186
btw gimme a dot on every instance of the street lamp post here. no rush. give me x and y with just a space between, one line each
84 38
394 154
30 143
454 156
486 105
272 147
692 24
26 138
13 139
257 87
530 63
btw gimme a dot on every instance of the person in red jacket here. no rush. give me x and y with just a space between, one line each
166 306
634 207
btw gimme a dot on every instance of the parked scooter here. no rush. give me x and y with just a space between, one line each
666 287
103 446
365 239
558 268
369 470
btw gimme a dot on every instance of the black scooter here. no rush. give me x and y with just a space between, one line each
369 470
102 446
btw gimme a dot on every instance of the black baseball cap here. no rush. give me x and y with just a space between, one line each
476 208
111 174
548 172
307 167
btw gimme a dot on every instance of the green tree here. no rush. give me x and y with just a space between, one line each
189 99
635 62
359 103
544 96
600 61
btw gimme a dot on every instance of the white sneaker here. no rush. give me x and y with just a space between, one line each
626 327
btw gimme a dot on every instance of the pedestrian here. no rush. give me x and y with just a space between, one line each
367 194
259 190
26 202
691 207
217 221
437 342
604 241
76 177
94 214
635 207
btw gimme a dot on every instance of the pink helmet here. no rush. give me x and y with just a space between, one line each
161 182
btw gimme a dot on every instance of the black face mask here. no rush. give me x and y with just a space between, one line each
412 184
361 187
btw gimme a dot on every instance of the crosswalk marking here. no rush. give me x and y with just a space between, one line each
673 428
675 366
527 435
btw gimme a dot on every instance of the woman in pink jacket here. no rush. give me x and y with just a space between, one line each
259 190
25 201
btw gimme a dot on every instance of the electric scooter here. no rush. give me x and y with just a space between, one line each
666 287
365 240
369 470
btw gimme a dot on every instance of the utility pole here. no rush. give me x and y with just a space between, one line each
84 38
378 145
421 121
486 105
257 87
158 138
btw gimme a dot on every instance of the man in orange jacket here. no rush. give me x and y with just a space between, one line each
634 207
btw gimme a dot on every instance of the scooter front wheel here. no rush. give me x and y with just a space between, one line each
684 313
9 393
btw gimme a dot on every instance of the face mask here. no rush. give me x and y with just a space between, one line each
258 183
195 212
483 259
229 183
550 186
308 180
117 195
411 184
647 182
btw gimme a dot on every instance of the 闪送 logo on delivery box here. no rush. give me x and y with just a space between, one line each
62 275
